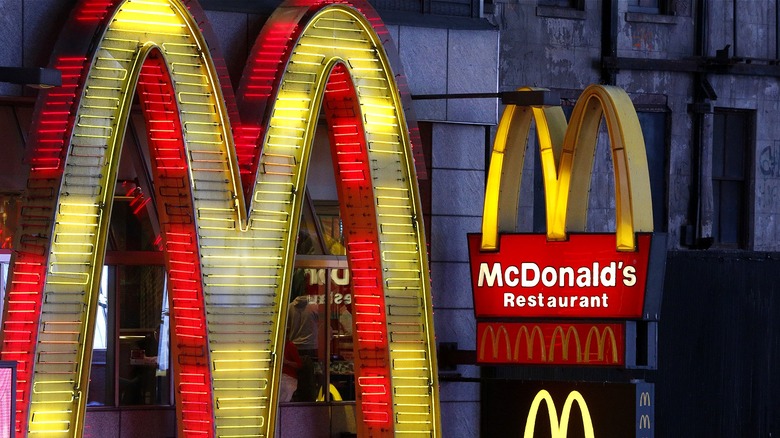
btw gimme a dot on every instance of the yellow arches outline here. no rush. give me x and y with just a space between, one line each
566 162
558 428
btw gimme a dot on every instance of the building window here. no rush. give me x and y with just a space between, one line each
319 315
131 349
130 357
648 6
732 138
654 130
573 4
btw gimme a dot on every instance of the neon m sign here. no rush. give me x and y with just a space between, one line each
229 173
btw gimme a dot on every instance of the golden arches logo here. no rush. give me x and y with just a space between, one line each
644 399
566 160
644 422
229 200
495 336
529 340
601 342
565 337
558 428
495 340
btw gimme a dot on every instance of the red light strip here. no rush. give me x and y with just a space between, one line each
350 154
93 10
56 120
49 144
20 325
261 77
188 316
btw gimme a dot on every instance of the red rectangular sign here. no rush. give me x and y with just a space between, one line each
582 277
550 343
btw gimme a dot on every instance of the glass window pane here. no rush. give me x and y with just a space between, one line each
101 376
9 214
718 145
654 131
331 227
306 332
716 209
732 138
342 373
4 261
140 296
164 347
734 149
646 6
731 208
559 3
100 341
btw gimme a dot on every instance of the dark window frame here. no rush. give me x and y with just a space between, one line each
659 7
659 185
578 5
652 7
740 174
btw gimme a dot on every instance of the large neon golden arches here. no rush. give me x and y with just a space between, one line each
63 350
337 49
566 161
245 254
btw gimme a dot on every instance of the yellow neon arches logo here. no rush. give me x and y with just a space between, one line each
229 247
597 337
558 427
566 155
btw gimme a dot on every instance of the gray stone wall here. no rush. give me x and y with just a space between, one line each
458 180
446 61
29 29
540 48
559 49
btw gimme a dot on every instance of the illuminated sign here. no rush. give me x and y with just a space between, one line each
566 154
561 409
558 428
229 176
564 274
582 277
549 343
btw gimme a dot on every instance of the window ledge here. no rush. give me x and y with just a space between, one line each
641 17
556 12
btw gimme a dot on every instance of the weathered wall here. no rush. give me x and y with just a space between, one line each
726 388
561 49
716 347
446 61
29 29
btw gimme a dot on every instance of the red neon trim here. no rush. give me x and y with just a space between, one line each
28 265
187 312
352 171
93 11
